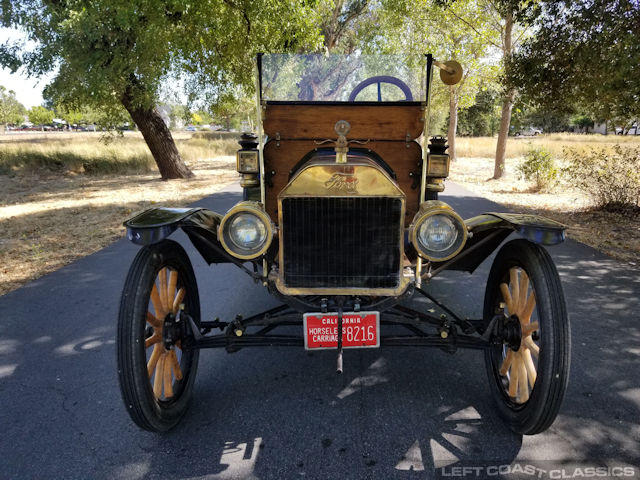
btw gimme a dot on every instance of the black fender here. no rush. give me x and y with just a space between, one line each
200 225
489 230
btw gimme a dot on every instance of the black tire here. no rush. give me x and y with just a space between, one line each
151 411
534 406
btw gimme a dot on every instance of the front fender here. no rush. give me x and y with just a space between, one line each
534 228
200 224
489 230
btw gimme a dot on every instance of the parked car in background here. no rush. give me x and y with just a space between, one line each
528 132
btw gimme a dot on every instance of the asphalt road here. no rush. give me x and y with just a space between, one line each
282 412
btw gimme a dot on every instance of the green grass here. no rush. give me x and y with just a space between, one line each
96 155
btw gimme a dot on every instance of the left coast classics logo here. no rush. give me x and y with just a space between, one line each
343 182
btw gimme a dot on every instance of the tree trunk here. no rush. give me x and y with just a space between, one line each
503 134
507 102
453 122
159 140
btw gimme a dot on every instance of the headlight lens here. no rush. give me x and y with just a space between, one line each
246 231
437 233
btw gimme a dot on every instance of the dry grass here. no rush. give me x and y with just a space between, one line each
49 219
616 235
51 214
485 147
97 153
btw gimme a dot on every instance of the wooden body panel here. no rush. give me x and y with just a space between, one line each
281 157
317 122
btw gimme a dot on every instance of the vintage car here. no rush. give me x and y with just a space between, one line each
340 221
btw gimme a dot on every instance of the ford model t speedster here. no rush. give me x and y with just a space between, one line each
340 220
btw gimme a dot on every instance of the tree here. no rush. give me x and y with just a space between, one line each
12 112
585 52
444 30
71 116
481 119
41 116
117 53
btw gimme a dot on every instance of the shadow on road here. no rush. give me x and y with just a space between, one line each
284 413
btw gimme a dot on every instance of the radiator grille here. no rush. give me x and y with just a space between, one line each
331 242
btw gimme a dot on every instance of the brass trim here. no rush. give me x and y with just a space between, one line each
428 209
247 153
325 178
309 182
257 209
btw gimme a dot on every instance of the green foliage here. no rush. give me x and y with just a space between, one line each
582 121
585 53
11 110
526 115
482 119
539 167
40 115
109 51
609 176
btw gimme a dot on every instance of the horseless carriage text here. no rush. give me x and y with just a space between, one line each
340 220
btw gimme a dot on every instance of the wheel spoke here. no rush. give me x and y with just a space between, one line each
506 363
153 360
153 339
178 300
171 292
532 374
157 303
159 375
529 328
153 320
168 378
175 365
524 289
523 387
513 376
531 345
506 295
528 308
515 289
162 280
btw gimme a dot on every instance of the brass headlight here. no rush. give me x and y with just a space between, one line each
437 232
246 231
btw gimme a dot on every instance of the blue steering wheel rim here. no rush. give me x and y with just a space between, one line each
382 79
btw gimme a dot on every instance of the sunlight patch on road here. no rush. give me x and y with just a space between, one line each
412 460
374 375
7 370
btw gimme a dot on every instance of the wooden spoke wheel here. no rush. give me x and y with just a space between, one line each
528 377
155 369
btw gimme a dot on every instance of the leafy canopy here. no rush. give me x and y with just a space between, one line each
584 52
109 49
40 115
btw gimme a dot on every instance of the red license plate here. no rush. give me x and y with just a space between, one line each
359 330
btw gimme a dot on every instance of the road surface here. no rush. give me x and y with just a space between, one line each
282 412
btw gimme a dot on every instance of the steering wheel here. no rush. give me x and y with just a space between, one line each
379 80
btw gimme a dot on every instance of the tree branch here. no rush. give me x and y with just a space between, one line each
470 26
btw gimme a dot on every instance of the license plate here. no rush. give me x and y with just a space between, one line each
359 330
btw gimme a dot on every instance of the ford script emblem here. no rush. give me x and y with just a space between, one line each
343 182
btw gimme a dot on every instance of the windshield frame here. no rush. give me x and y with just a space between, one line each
423 93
